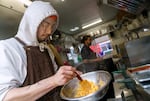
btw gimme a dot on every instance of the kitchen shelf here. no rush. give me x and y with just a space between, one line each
140 28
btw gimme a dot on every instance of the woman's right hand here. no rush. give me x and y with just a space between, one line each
64 74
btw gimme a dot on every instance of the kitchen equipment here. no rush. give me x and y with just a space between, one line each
141 75
138 51
131 6
68 91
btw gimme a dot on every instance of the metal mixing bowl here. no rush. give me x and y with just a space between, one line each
68 91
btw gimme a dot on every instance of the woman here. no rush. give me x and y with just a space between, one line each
28 71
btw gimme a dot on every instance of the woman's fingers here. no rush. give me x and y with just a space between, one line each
64 74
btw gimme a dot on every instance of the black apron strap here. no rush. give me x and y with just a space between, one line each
19 40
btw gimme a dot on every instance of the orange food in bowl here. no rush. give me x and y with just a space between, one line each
87 87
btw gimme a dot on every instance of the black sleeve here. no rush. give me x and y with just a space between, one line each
87 53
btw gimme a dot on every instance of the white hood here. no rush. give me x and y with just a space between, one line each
32 17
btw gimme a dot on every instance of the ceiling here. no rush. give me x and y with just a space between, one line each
75 13
72 13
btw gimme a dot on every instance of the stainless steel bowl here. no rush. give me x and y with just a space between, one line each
68 91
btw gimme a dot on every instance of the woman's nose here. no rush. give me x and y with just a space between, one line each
49 30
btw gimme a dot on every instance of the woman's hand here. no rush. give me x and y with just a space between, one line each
64 74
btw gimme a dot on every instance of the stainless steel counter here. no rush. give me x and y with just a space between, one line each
131 88
142 78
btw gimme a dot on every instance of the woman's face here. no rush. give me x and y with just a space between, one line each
46 28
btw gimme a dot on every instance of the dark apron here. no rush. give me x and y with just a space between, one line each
39 66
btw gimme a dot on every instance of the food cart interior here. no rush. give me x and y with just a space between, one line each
121 31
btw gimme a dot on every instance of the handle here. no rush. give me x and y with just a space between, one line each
78 76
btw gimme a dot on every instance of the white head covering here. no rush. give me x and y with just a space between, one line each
33 16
